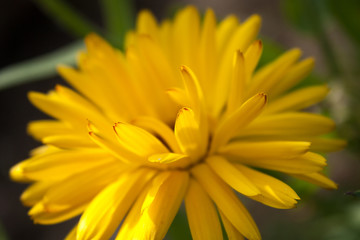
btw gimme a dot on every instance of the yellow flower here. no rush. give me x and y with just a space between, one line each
182 115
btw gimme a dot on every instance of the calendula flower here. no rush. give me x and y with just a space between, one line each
181 116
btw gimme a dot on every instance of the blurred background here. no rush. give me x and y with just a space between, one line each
37 34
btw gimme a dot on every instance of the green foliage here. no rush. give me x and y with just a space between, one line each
179 228
347 13
309 16
354 193
67 17
39 67
3 234
300 13
119 18
271 50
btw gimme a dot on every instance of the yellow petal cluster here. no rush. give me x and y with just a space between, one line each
182 116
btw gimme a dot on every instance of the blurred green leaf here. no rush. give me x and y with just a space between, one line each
119 18
347 13
354 193
271 50
39 67
297 12
304 189
179 228
308 16
3 234
67 17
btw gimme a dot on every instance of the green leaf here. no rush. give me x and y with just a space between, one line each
67 17
39 67
119 18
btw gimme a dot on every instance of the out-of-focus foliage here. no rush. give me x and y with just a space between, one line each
179 228
118 17
272 50
316 19
309 16
3 235
336 217
39 67
67 17
354 193
347 13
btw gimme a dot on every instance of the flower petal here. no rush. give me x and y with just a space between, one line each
246 113
270 75
326 144
288 124
179 96
232 176
69 197
198 103
105 212
231 231
266 149
138 140
82 187
243 36
66 109
186 23
72 234
298 99
252 56
166 157
44 128
226 201
159 128
144 77
307 163
238 83
154 211
224 32
188 134
115 149
274 192
202 216
68 141
318 179
61 164
35 192
207 56
146 24
40 214
193 89
295 74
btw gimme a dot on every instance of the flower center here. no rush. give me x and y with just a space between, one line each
178 159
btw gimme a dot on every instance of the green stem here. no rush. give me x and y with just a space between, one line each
67 17
119 18
39 67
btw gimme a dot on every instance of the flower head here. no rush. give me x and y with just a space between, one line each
182 115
